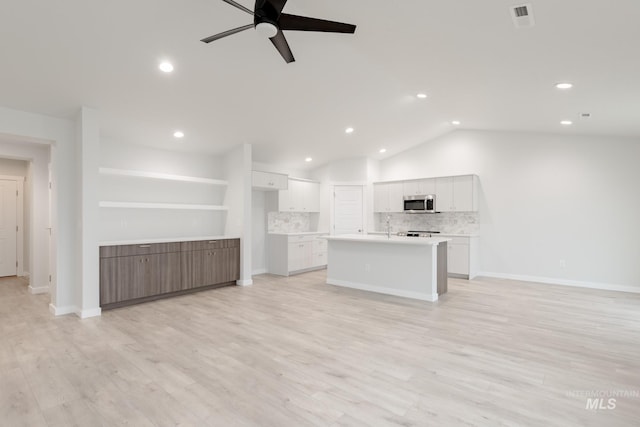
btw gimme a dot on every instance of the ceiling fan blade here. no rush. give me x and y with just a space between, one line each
239 6
283 47
226 33
303 23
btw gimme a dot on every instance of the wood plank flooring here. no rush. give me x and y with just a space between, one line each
297 352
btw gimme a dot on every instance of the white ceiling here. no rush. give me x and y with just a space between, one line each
465 54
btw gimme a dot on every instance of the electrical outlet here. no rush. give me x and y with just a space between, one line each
367 267
563 264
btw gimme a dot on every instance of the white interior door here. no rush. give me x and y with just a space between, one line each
347 209
8 225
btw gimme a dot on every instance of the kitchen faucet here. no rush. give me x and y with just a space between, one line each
388 226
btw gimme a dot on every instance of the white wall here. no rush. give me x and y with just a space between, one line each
276 168
237 165
136 224
545 199
355 171
13 167
87 298
27 129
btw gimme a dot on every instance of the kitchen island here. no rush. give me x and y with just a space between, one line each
412 267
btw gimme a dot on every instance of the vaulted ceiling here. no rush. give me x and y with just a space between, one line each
466 55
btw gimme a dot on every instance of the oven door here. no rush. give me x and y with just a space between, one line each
414 205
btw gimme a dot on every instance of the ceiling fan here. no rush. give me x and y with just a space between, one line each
269 21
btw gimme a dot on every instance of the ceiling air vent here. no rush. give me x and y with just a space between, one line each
522 15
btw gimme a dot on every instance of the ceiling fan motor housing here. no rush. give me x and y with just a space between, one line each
265 12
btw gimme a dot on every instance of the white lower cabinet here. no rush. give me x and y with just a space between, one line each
462 256
293 253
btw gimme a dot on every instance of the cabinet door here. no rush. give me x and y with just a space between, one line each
463 193
319 257
311 197
380 198
396 202
284 200
164 274
411 188
300 256
268 181
199 274
458 258
123 278
444 194
428 186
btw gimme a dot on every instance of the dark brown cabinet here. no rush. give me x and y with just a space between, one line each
135 273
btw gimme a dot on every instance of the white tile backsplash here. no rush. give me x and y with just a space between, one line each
445 222
289 222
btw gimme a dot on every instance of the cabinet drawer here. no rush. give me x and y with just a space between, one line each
320 244
202 245
108 251
144 249
301 238
457 240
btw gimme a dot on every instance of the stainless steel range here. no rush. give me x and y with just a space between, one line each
418 233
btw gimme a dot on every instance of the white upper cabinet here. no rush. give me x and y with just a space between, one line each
387 197
418 187
444 194
457 193
268 181
301 196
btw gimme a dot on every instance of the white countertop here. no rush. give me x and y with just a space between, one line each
165 240
439 234
300 233
376 238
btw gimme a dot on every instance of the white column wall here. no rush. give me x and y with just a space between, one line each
88 151
238 166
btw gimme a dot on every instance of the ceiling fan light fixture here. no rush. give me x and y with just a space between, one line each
267 29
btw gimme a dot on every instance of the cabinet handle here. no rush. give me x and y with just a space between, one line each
144 246
212 241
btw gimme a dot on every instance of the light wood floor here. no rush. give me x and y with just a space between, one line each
296 352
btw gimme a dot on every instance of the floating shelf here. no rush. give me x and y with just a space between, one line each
182 206
165 176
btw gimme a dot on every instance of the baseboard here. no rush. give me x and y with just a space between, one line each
383 290
245 282
39 290
259 271
91 312
563 282
61 311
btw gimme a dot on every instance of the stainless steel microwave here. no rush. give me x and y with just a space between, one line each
420 204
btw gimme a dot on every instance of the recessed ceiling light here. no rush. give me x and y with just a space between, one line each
167 67
564 86
422 95
308 159
349 130
383 150
455 122
566 122
178 134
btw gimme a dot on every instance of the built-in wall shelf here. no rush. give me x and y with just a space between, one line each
180 206
165 176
